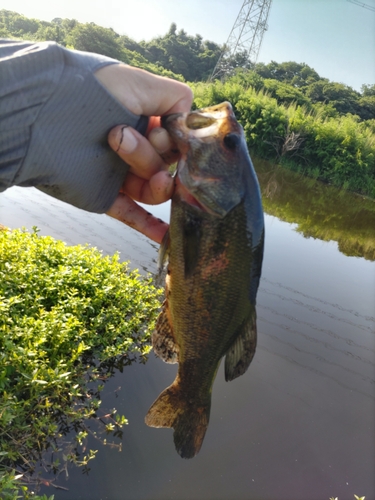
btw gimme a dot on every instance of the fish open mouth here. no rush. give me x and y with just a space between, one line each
196 121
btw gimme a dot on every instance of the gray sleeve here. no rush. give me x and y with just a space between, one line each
54 121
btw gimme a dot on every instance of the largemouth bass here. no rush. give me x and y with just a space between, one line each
215 251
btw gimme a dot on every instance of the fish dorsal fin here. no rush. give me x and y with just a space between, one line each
241 352
163 340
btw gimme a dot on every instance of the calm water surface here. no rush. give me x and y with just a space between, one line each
299 425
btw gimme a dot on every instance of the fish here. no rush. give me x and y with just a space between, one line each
214 251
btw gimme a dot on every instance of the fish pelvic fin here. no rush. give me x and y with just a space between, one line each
164 251
189 419
163 341
241 352
163 259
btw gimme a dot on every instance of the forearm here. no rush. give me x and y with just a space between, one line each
54 121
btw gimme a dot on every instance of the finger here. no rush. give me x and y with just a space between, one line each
127 211
152 192
163 145
144 93
136 151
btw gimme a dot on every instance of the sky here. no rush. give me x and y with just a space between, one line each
335 37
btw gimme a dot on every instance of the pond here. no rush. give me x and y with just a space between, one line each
300 423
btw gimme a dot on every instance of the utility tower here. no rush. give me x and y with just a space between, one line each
246 35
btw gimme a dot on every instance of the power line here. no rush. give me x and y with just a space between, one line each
361 4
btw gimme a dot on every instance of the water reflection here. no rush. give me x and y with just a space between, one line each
299 425
320 211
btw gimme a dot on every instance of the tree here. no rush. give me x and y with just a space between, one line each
286 93
368 90
247 78
92 38
49 31
296 74
17 25
367 107
342 97
181 53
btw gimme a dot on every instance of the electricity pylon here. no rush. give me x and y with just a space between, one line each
246 35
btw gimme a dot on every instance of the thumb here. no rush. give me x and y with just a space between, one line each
144 93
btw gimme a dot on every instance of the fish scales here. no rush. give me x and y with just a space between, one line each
215 249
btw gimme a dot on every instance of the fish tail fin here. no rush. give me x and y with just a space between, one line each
189 419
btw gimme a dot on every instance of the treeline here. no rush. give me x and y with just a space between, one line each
193 59
289 112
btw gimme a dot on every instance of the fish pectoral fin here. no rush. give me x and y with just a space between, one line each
164 251
241 352
163 341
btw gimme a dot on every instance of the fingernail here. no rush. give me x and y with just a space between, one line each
127 141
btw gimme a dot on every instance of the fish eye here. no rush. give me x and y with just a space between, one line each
231 141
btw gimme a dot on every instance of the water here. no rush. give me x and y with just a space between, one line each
300 423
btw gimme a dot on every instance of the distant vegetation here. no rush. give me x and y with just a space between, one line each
289 112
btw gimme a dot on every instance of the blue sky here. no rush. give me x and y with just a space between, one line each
335 37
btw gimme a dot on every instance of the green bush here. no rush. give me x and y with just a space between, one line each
65 314
341 150
264 123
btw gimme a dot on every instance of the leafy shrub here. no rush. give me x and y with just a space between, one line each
285 93
208 94
65 313
264 122
342 150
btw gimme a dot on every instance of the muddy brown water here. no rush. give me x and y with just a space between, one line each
299 425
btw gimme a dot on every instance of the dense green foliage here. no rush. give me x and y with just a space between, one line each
67 316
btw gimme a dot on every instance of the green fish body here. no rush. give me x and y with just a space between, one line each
215 250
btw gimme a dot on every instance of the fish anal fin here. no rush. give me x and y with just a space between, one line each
163 341
241 352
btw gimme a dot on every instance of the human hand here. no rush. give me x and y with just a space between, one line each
148 180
